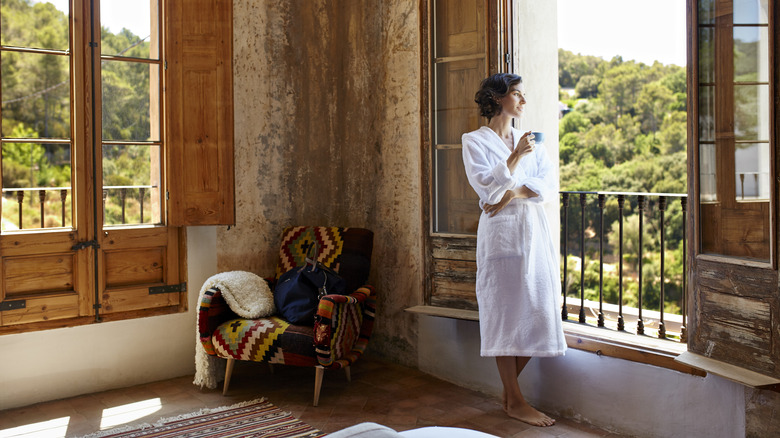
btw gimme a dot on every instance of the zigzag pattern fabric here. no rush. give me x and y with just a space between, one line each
334 320
297 240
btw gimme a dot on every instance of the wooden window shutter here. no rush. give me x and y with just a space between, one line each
199 112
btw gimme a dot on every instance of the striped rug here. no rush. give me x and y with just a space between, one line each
255 418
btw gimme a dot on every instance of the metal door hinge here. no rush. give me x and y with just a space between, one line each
13 305
168 289
85 244
93 44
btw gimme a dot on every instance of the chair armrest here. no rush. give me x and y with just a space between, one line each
343 326
213 310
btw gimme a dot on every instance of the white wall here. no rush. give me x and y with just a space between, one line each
54 364
614 394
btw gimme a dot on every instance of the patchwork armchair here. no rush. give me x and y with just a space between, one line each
342 326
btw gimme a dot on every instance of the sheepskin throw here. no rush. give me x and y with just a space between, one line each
249 296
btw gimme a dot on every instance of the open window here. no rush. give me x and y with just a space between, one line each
467 41
116 130
733 287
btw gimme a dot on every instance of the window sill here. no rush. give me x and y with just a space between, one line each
729 371
603 342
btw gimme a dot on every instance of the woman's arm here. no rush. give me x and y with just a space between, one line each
521 192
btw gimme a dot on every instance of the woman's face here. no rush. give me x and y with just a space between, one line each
512 104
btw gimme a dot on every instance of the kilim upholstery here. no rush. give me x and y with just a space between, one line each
342 324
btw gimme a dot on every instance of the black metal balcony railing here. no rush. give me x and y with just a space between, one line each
120 195
642 205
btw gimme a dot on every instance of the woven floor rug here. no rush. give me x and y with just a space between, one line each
256 418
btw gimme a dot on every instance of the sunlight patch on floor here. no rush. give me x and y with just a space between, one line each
56 428
129 412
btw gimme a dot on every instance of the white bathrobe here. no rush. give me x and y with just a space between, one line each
518 284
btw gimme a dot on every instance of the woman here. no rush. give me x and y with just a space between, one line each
517 267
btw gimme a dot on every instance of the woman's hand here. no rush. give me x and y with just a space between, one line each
521 192
492 209
525 146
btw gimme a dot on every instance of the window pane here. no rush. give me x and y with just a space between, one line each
36 95
131 184
706 54
456 112
751 11
707 113
708 190
752 171
38 170
751 112
130 105
39 25
751 54
706 11
456 206
129 28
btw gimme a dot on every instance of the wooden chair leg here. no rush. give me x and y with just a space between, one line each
271 367
349 375
318 384
228 373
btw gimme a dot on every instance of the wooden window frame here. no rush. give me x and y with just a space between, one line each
197 129
733 302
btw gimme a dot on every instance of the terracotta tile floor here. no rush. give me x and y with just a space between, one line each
385 393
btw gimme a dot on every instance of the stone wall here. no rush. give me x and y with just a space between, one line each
327 132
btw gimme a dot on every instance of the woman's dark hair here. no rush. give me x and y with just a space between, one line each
493 88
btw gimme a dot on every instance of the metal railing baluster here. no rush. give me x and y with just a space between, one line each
42 198
63 197
20 200
640 325
141 193
661 208
582 258
683 330
621 320
564 310
601 260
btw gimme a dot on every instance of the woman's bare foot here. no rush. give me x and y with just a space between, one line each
527 414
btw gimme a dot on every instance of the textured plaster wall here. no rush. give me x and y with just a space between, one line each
327 132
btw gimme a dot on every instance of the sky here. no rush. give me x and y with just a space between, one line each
116 14
642 30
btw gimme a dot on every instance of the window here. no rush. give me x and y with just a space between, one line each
734 281
94 107
468 40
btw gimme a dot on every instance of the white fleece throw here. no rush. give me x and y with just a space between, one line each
249 296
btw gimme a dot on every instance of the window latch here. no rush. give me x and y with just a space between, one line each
85 244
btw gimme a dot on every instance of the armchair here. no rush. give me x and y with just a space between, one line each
342 326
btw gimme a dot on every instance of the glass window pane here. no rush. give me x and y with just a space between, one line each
35 175
751 11
131 184
36 95
708 190
707 113
706 54
456 112
751 112
751 162
129 28
706 11
751 54
36 24
130 105
456 206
